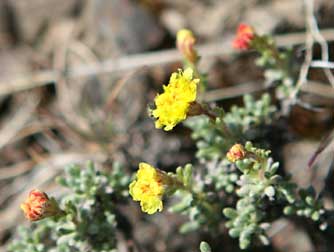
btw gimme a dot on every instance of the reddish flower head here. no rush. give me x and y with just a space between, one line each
39 206
244 37
236 152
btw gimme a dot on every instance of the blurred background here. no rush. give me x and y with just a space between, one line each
76 77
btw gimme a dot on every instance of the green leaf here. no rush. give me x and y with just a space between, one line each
189 227
204 247
230 213
234 232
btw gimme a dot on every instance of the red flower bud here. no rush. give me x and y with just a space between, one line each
39 206
237 152
185 42
244 37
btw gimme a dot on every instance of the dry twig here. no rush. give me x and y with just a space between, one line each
313 35
309 51
130 62
18 121
312 87
322 64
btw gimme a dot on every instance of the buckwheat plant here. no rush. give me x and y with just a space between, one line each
234 182
85 219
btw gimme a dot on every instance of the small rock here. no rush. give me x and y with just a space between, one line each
289 237
296 157
121 27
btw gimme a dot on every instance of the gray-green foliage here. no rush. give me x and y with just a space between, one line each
222 175
253 180
308 206
259 177
219 175
204 247
210 141
259 185
254 113
90 221
279 68
246 221
196 202
257 182
32 239
241 121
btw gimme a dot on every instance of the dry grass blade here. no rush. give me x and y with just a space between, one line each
309 52
118 87
15 170
313 35
231 92
322 64
18 120
312 87
131 62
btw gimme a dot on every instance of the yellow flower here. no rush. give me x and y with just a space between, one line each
185 42
173 104
236 152
148 188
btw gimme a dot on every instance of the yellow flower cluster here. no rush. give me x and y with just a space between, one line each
148 188
173 104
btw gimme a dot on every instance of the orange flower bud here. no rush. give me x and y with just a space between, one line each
237 152
244 37
185 42
39 206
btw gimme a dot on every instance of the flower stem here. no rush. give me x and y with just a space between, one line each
226 131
